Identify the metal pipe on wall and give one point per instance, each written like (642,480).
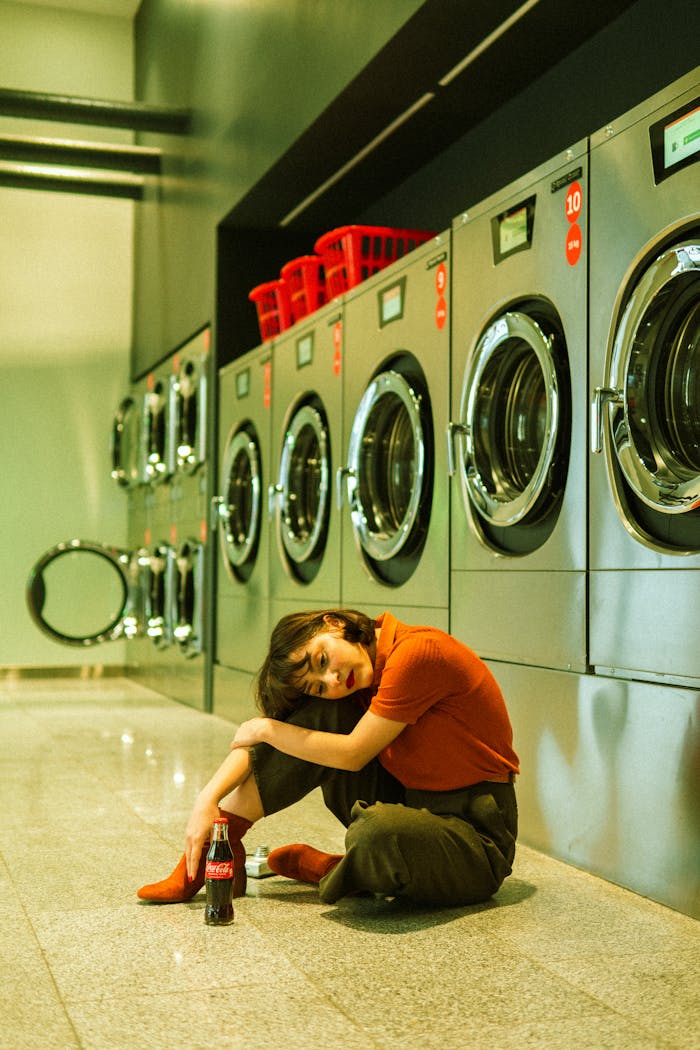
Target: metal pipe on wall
(17,176)
(71,109)
(26,150)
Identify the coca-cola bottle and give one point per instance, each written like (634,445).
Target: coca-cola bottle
(219,877)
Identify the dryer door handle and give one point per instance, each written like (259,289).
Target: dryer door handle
(342,474)
(217,512)
(603,395)
(453,429)
(272,493)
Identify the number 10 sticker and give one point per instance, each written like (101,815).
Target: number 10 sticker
(574,238)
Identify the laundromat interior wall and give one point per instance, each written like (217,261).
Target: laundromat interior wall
(65,324)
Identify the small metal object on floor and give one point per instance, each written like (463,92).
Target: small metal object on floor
(256,866)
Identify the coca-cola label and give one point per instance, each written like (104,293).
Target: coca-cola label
(219,869)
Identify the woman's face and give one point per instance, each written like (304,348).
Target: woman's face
(336,667)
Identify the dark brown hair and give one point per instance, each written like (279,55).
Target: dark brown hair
(276,688)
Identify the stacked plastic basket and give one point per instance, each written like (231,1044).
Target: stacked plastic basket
(344,258)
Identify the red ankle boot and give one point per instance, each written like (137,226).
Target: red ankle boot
(303,863)
(177,887)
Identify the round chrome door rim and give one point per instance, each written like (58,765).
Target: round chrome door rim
(242,444)
(512,325)
(384,546)
(663,488)
(124,625)
(301,549)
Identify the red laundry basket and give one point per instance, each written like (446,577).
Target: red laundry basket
(274,308)
(306,283)
(351,254)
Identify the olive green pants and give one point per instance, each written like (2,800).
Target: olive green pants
(445,848)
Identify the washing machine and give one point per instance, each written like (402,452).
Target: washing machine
(306,441)
(392,482)
(242,587)
(517,433)
(645,389)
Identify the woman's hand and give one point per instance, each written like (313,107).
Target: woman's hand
(254,731)
(198,832)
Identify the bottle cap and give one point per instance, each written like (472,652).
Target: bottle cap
(221,820)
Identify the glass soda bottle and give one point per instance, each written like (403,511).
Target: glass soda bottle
(219,877)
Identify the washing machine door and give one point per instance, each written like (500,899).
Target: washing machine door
(157,433)
(240,507)
(127,442)
(189,393)
(389,473)
(514,413)
(303,489)
(188,619)
(652,419)
(81,593)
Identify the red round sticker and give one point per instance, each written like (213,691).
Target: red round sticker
(573,202)
(441,279)
(441,313)
(574,243)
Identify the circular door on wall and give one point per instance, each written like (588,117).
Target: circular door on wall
(515,425)
(302,492)
(652,394)
(240,506)
(82,593)
(127,443)
(389,470)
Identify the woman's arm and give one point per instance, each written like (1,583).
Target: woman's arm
(232,772)
(337,750)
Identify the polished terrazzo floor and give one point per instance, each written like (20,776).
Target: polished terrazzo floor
(96,782)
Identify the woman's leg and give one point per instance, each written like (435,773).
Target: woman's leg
(440,859)
(281,780)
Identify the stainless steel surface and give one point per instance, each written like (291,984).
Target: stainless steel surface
(395,525)
(609,777)
(517,432)
(242,586)
(644,366)
(234,695)
(522,615)
(307,421)
(168,519)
